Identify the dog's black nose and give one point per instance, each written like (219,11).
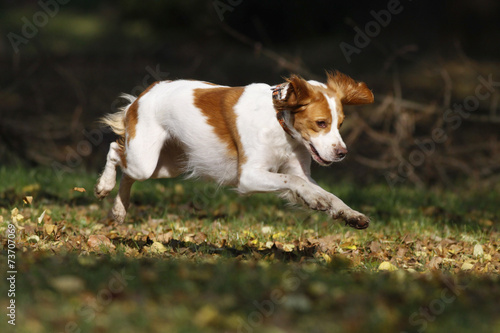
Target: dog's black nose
(340,152)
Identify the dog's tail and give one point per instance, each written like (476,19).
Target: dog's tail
(116,121)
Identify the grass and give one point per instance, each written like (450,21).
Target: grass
(195,258)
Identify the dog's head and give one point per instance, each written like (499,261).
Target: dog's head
(316,112)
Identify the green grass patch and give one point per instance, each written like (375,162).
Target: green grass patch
(193,257)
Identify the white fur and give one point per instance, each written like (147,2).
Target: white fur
(173,137)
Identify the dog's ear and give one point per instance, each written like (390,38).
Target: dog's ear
(350,92)
(298,94)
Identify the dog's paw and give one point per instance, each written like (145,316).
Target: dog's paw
(103,187)
(354,219)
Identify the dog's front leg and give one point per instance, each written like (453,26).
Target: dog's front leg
(303,191)
(337,209)
(300,190)
(257,180)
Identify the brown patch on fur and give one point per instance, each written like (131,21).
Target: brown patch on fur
(217,104)
(307,103)
(350,92)
(130,123)
(121,151)
(340,112)
(132,116)
(317,110)
(297,96)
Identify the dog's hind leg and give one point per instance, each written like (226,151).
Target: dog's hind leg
(122,200)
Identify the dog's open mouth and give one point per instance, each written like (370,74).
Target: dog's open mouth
(316,156)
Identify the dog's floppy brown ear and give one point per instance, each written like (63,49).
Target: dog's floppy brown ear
(350,91)
(298,93)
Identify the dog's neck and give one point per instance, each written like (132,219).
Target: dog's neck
(279,92)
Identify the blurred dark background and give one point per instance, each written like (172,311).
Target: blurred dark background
(63,64)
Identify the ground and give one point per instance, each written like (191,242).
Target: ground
(195,258)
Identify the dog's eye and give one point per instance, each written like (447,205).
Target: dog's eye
(321,124)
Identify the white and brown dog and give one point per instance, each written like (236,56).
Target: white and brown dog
(258,138)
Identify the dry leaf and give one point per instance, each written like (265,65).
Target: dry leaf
(266,229)
(28,199)
(165,238)
(33,239)
(50,229)
(375,247)
(158,248)
(467,266)
(288,247)
(40,219)
(68,284)
(478,250)
(200,238)
(327,258)
(79,189)
(97,242)
(387,266)
(434,263)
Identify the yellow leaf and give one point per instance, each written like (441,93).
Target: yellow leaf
(467,266)
(269,244)
(277,235)
(327,258)
(158,247)
(79,189)
(179,189)
(288,247)
(27,199)
(50,229)
(387,266)
(254,242)
(206,316)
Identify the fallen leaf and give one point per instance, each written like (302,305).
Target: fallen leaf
(375,247)
(28,199)
(68,284)
(49,229)
(79,189)
(206,316)
(179,189)
(467,266)
(387,266)
(40,219)
(478,250)
(165,238)
(327,258)
(33,239)
(266,229)
(200,238)
(434,263)
(158,248)
(288,247)
(98,242)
